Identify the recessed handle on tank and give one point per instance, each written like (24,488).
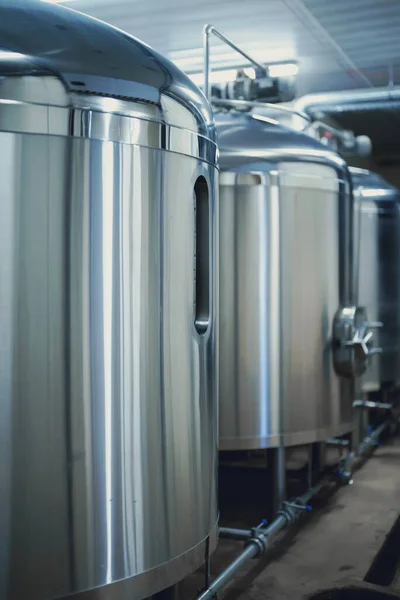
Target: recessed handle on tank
(202,267)
(351,341)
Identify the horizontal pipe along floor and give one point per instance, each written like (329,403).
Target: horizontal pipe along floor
(342,543)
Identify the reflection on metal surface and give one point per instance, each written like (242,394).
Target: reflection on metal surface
(108,392)
(285,268)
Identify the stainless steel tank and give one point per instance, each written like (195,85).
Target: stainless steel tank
(378,222)
(107,311)
(287,317)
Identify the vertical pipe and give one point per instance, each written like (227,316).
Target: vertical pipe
(207,31)
(206,48)
(260,541)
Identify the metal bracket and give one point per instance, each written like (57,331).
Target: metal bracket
(209,30)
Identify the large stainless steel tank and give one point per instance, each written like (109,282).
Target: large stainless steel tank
(286,267)
(107,312)
(378,222)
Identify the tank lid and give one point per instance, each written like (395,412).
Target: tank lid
(246,140)
(92,57)
(372,186)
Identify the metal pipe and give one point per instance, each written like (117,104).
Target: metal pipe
(207,31)
(260,540)
(371,441)
(253,104)
(206,49)
(311,102)
(353,462)
(235,534)
(240,534)
(223,578)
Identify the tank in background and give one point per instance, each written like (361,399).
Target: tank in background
(378,231)
(286,296)
(378,220)
(108,308)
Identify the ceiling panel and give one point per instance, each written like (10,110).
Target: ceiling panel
(367,31)
(339,45)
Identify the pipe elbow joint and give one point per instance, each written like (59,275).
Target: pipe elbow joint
(207,29)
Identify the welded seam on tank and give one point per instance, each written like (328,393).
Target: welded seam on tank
(105,126)
(264,350)
(108,220)
(68,368)
(131,547)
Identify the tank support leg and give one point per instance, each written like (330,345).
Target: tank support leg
(316,462)
(278,466)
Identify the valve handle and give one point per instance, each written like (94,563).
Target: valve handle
(361,340)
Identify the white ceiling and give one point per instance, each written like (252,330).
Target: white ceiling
(339,44)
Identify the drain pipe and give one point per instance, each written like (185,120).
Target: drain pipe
(354,461)
(259,539)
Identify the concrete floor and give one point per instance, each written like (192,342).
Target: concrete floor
(334,547)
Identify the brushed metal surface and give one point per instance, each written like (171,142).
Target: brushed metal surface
(108,413)
(281,282)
